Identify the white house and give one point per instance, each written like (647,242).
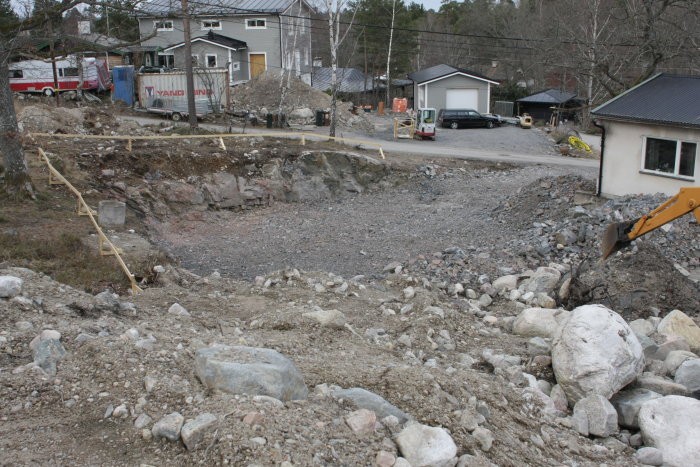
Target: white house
(651,137)
(448,87)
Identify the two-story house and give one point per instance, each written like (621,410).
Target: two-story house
(245,36)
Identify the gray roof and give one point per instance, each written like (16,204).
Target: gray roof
(438,71)
(665,99)
(222,7)
(550,96)
(351,80)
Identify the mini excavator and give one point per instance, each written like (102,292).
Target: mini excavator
(620,234)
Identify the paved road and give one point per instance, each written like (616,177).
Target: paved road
(429,148)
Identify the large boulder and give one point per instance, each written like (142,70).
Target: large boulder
(424,446)
(595,353)
(628,403)
(249,370)
(671,425)
(679,324)
(598,415)
(688,374)
(539,322)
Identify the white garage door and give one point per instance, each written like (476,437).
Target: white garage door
(462,99)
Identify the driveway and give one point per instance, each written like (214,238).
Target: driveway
(506,143)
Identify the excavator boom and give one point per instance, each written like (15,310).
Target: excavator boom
(620,234)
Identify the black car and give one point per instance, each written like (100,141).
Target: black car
(465,118)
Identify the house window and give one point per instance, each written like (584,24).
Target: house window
(195,60)
(255,23)
(211,24)
(163,25)
(668,156)
(236,66)
(166,60)
(211,60)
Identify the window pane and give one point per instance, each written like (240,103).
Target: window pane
(660,155)
(687,166)
(211,61)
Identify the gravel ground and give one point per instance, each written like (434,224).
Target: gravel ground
(359,234)
(506,138)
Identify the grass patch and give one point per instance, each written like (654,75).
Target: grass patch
(66,259)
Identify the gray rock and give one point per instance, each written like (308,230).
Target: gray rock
(545,280)
(539,322)
(168,427)
(671,343)
(688,374)
(47,351)
(600,414)
(106,301)
(142,421)
(471,419)
(195,431)
(650,456)
(505,283)
(364,399)
(538,346)
(249,370)
(661,385)
(675,358)
(424,446)
(484,437)
(642,327)
(649,347)
(327,318)
(177,309)
(628,403)
(595,353)
(10,286)
(671,425)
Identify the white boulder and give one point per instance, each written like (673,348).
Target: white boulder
(670,424)
(677,323)
(596,352)
(423,445)
(10,286)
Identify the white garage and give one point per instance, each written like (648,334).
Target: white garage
(448,87)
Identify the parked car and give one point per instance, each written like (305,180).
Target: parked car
(466,118)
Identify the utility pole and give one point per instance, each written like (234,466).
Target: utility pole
(189,75)
(52,52)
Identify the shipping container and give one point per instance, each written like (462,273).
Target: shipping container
(209,83)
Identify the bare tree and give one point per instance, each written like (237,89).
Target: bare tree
(335,9)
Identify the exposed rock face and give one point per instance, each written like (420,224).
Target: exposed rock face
(671,425)
(250,370)
(596,353)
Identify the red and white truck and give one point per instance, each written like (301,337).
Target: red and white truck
(37,75)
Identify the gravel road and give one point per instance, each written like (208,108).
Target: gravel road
(362,233)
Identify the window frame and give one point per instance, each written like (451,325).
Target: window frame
(14,73)
(211,28)
(164,21)
(216,60)
(676,165)
(264,26)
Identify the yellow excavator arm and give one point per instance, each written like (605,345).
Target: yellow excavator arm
(618,235)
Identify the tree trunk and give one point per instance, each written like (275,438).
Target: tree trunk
(189,74)
(17,182)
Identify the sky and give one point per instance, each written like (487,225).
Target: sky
(430,4)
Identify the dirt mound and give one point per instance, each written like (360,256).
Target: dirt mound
(263,91)
(42,118)
(263,95)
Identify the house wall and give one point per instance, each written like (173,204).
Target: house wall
(201,50)
(259,40)
(622,159)
(437,92)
